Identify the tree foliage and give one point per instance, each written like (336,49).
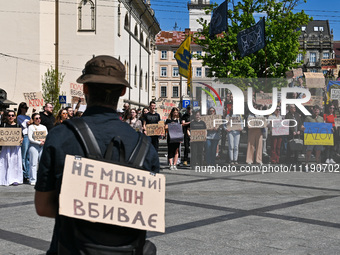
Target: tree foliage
(282,45)
(50,90)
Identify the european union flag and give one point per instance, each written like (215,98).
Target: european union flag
(183,57)
(218,22)
(252,39)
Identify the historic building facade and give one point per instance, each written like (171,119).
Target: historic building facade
(120,28)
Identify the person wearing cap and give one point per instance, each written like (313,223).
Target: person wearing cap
(318,148)
(104,82)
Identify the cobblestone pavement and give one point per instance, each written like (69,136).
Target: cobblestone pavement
(218,213)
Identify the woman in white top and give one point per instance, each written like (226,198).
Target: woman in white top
(36,135)
(10,157)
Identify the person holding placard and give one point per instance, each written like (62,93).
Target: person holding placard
(10,157)
(213,137)
(318,148)
(255,136)
(234,128)
(36,134)
(24,121)
(276,139)
(329,117)
(152,117)
(197,143)
(173,146)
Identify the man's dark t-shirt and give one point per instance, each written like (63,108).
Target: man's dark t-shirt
(105,125)
(47,120)
(152,118)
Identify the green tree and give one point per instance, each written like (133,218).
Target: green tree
(50,90)
(282,45)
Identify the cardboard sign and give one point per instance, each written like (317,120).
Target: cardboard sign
(314,100)
(335,94)
(337,122)
(314,80)
(318,133)
(234,123)
(264,98)
(97,191)
(155,129)
(257,122)
(278,129)
(198,135)
(10,136)
(39,135)
(164,108)
(76,90)
(34,99)
(209,120)
(297,72)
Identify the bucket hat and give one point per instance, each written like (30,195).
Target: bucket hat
(104,69)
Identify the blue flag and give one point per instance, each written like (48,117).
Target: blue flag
(218,22)
(252,39)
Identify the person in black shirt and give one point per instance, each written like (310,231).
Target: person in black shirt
(152,118)
(197,146)
(186,124)
(47,118)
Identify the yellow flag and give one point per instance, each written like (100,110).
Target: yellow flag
(183,57)
(189,79)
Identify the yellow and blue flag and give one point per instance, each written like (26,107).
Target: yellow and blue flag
(183,57)
(318,133)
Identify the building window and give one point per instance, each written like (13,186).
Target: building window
(141,79)
(199,53)
(146,82)
(164,54)
(136,31)
(207,71)
(312,58)
(163,71)
(175,91)
(325,55)
(316,29)
(198,71)
(321,29)
(303,28)
(141,37)
(163,91)
(86,16)
(126,22)
(147,43)
(175,72)
(173,55)
(299,58)
(136,76)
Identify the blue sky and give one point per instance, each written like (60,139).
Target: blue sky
(170,12)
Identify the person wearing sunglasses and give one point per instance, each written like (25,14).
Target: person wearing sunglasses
(36,134)
(10,157)
(329,118)
(61,116)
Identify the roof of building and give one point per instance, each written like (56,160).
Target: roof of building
(318,24)
(172,38)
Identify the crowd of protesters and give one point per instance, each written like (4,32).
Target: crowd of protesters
(19,164)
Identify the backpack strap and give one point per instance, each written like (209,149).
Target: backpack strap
(85,135)
(139,153)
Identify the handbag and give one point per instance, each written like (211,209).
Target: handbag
(296,144)
(175,132)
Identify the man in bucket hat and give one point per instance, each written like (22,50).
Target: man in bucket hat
(104,82)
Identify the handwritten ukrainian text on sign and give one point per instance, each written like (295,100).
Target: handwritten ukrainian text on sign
(318,133)
(335,94)
(337,122)
(264,98)
(76,90)
(164,108)
(279,127)
(234,123)
(112,194)
(34,99)
(314,80)
(257,122)
(198,135)
(209,121)
(10,136)
(39,135)
(155,129)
